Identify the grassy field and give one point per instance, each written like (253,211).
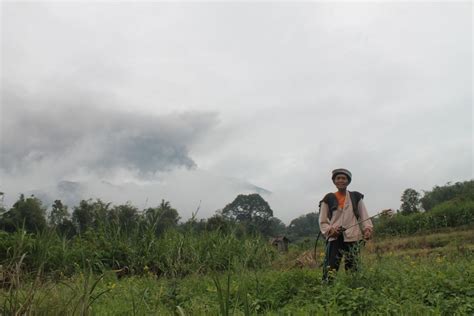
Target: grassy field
(420,275)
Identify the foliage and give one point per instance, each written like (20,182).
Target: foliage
(276,227)
(252,211)
(440,194)
(304,226)
(161,218)
(173,253)
(124,261)
(389,282)
(59,219)
(248,207)
(58,213)
(90,214)
(218,223)
(27,213)
(125,217)
(410,202)
(448,214)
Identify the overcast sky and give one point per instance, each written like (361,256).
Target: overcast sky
(193,101)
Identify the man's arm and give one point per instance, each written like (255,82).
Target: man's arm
(367,225)
(324,224)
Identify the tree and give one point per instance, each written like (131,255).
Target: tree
(304,226)
(252,211)
(58,213)
(410,202)
(27,213)
(276,227)
(248,207)
(439,194)
(2,207)
(124,216)
(59,219)
(218,222)
(162,217)
(90,215)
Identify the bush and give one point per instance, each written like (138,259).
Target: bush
(452,213)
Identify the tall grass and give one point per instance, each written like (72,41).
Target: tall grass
(32,263)
(174,253)
(391,281)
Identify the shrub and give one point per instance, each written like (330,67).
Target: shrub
(454,213)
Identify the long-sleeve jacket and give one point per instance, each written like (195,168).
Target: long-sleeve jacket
(345,217)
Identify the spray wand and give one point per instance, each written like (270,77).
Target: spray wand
(388,213)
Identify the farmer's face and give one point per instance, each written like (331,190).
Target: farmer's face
(341,181)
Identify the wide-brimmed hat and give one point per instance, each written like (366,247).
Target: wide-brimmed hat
(346,172)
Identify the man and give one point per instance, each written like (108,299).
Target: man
(339,215)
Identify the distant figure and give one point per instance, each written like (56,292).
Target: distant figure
(343,221)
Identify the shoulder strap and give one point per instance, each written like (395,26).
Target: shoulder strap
(355,199)
(331,200)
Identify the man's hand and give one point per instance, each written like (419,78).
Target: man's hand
(334,231)
(367,233)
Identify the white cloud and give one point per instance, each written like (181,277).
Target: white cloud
(384,89)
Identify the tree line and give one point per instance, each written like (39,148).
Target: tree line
(246,214)
(451,205)
(413,202)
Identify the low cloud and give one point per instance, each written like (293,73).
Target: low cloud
(82,135)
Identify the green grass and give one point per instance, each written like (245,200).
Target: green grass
(422,275)
(390,286)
